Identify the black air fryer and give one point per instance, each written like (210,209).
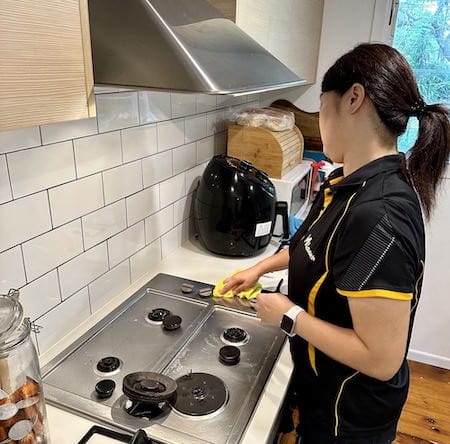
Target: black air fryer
(234,207)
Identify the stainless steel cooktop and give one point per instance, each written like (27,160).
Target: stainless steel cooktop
(216,351)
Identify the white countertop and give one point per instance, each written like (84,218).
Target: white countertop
(191,261)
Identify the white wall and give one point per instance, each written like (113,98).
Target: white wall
(345,24)
(431,335)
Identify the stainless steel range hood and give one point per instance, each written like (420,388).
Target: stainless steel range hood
(182,45)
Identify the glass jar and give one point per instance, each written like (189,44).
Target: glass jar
(22,408)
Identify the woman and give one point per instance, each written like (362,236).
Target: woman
(356,264)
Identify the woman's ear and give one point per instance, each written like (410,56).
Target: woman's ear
(355,96)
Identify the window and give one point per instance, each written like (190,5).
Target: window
(422,35)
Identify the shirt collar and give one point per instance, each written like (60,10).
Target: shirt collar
(337,181)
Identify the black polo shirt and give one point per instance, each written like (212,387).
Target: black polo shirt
(364,237)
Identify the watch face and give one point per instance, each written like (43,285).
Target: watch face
(286,324)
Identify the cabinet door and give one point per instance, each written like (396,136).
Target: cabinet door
(45,62)
(290,30)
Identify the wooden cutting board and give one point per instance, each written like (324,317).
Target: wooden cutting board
(274,152)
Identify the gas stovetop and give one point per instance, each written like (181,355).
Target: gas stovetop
(192,366)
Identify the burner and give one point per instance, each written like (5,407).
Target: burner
(229,355)
(158,314)
(235,335)
(108,365)
(145,410)
(148,387)
(200,394)
(172,322)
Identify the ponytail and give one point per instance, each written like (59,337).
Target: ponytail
(429,156)
(391,86)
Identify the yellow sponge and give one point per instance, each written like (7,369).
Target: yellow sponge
(249,293)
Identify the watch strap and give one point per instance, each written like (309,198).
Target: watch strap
(292,313)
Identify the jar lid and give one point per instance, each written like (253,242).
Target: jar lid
(11,314)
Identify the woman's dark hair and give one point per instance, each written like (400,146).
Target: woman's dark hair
(390,84)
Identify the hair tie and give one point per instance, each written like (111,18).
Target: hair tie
(418,108)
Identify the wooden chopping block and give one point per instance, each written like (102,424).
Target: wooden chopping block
(274,152)
(308,123)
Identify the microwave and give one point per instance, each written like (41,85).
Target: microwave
(295,189)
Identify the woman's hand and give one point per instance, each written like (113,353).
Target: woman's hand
(241,280)
(270,307)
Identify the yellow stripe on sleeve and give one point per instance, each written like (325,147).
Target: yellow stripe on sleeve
(376,293)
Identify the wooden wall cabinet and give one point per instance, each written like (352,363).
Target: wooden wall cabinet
(45,62)
(289,29)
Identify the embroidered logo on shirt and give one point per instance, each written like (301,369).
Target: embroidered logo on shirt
(307,243)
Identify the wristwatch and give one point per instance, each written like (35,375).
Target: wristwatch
(287,323)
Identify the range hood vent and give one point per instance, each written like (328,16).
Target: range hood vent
(179,45)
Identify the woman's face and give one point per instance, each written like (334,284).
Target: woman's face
(330,125)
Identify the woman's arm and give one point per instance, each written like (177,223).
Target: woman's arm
(375,345)
(246,278)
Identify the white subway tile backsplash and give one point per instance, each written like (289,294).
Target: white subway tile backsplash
(116,111)
(57,132)
(12,274)
(68,173)
(183,104)
(154,106)
(109,285)
(170,134)
(39,168)
(23,219)
(142,204)
(158,224)
(5,187)
(206,102)
(97,153)
(139,142)
(182,209)
(62,319)
(172,189)
(75,199)
(224,101)
(173,240)
(215,122)
(195,128)
(193,176)
(104,223)
(126,243)
(40,295)
(184,157)
(51,249)
(19,139)
(157,168)
(205,149)
(145,259)
(83,269)
(122,181)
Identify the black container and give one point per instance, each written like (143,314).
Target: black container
(234,207)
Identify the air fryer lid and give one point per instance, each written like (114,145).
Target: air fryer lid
(245,170)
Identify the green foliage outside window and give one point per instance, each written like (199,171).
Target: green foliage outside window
(422,35)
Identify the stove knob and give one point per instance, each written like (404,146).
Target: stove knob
(205,292)
(172,322)
(229,355)
(105,388)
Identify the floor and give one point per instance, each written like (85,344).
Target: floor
(426,415)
